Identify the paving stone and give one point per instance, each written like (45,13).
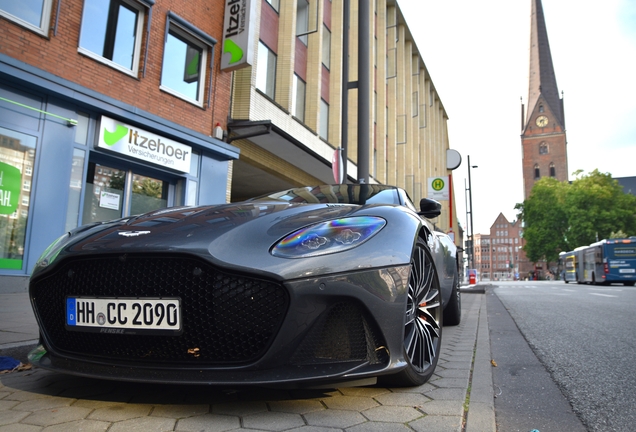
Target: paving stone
(24,396)
(444,408)
(419,389)
(312,429)
(397,414)
(7,404)
(4,394)
(20,428)
(354,403)
(296,406)
(435,423)
(179,411)
(144,424)
(11,417)
(208,423)
(334,418)
(239,408)
(364,391)
(79,425)
(452,382)
(378,427)
(403,399)
(43,404)
(120,412)
(453,373)
(95,404)
(273,421)
(56,416)
(448,394)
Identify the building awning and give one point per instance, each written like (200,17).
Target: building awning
(270,137)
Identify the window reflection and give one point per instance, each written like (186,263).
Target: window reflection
(17,156)
(110,29)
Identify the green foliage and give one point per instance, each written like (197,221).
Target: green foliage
(561,216)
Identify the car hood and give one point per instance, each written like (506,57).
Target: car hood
(240,236)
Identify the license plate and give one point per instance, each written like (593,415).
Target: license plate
(124,315)
(627,271)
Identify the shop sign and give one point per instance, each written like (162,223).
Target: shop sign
(238,34)
(10,180)
(139,144)
(438,188)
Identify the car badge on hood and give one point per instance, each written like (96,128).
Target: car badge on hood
(132,233)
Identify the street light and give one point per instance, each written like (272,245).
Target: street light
(471,249)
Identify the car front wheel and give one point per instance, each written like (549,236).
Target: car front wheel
(422,322)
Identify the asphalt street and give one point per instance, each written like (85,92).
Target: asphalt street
(583,336)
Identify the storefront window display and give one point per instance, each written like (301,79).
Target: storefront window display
(17,156)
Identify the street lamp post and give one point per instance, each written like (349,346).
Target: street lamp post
(471,236)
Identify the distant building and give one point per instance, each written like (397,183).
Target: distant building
(543,139)
(499,254)
(628,184)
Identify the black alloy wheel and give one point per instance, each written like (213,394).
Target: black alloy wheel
(423,321)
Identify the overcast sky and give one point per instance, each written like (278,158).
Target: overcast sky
(477,53)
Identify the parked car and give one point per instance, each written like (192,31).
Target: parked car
(309,286)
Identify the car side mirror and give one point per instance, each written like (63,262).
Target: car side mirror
(429,208)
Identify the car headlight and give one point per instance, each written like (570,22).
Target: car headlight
(51,252)
(328,237)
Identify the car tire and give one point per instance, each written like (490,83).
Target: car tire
(423,322)
(453,311)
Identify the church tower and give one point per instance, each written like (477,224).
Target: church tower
(543,140)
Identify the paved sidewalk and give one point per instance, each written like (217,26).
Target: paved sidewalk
(459,397)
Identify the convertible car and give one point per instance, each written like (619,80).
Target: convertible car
(314,286)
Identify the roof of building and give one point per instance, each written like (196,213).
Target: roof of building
(542,77)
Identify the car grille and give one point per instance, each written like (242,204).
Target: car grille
(344,333)
(226,318)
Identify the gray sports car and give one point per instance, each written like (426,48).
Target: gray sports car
(313,286)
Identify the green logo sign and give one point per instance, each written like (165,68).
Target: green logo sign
(10,180)
(111,138)
(235,51)
(438,184)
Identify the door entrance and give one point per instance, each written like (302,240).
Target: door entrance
(112,193)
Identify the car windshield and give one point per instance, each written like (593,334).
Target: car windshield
(338,194)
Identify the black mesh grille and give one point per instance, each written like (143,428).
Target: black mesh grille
(229,318)
(344,333)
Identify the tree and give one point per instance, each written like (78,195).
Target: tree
(561,216)
(597,206)
(545,219)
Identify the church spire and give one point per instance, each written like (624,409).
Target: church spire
(542,79)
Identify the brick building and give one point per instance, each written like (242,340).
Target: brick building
(112,103)
(543,138)
(498,255)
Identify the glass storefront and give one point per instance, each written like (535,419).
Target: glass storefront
(111,193)
(17,156)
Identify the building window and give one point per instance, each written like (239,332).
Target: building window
(540,108)
(274,4)
(266,70)
(26,185)
(537,172)
(185,57)
(302,20)
(326,47)
(33,14)
(111,32)
(298,98)
(324,120)
(552,170)
(543,148)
